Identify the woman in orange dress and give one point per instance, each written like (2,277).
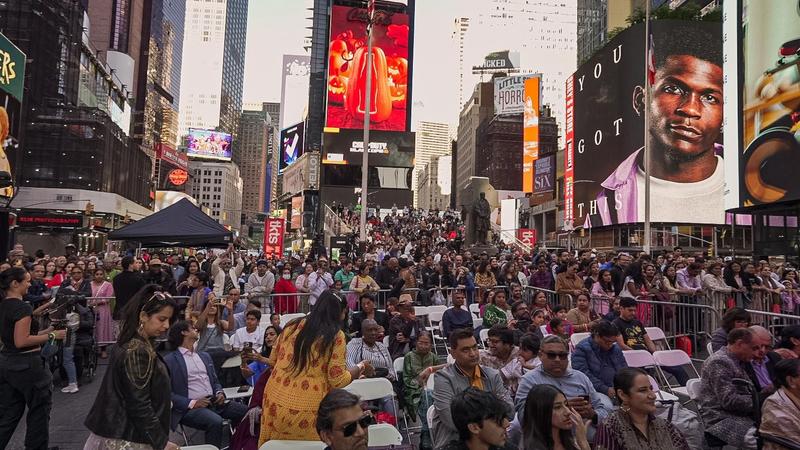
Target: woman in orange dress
(307,362)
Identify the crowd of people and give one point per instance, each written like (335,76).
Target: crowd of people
(502,369)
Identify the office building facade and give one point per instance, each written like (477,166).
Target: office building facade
(432,140)
(218,186)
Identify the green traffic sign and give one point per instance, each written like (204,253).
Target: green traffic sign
(12,68)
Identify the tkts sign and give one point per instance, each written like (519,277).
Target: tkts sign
(273,237)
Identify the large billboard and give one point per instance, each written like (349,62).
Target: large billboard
(172,167)
(386,148)
(291,145)
(274,229)
(604,167)
(509,94)
(12,85)
(530,132)
(347,60)
(762,152)
(294,89)
(209,144)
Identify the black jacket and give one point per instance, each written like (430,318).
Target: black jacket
(126,285)
(386,277)
(133,403)
(355,321)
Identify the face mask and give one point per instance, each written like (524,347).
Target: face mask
(287,276)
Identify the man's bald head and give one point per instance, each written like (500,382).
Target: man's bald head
(763,338)
(761,332)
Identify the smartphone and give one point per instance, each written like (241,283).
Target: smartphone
(243,388)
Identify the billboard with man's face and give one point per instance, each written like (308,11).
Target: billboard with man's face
(762,150)
(604,160)
(347,61)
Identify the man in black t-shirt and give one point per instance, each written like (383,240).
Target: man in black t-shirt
(126,284)
(633,336)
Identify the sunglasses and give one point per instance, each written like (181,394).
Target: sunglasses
(364,422)
(553,356)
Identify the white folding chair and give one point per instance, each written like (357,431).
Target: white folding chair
(386,341)
(383,435)
(437,308)
(657,335)
(373,389)
(709,349)
(476,322)
(577,338)
(693,388)
(475,309)
(286,318)
(484,335)
(200,447)
(420,311)
(398,366)
(450,359)
(638,358)
(661,395)
(429,417)
(435,326)
(673,358)
(293,445)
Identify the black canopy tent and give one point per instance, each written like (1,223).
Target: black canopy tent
(180,225)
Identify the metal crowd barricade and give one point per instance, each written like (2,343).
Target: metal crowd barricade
(553,298)
(287,303)
(602,305)
(774,322)
(683,316)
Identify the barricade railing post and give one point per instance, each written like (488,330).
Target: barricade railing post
(551,296)
(774,322)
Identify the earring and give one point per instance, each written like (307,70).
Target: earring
(625,408)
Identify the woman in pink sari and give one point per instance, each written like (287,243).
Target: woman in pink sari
(103,292)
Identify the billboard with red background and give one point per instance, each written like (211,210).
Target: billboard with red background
(273,237)
(347,60)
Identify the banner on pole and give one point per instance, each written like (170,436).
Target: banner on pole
(273,237)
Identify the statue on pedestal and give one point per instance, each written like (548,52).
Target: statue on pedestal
(481,211)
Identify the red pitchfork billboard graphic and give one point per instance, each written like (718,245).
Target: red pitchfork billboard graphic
(273,237)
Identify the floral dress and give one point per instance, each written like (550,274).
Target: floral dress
(291,400)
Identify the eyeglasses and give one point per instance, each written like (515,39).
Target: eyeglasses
(364,422)
(554,356)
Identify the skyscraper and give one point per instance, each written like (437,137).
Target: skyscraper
(212,74)
(592,27)
(432,140)
(254,131)
(217,186)
(460,27)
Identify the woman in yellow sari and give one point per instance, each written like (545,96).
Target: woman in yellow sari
(307,362)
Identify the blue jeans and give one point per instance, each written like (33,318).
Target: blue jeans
(69,364)
(210,419)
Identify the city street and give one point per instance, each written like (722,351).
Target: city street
(66,418)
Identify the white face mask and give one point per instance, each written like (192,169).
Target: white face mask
(287,276)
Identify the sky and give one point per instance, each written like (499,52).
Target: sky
(278,27)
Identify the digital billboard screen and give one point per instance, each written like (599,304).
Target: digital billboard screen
(209,144)
(605,99)
(347,60)
(762,152)
(386,148)
(291,145)
(530,131)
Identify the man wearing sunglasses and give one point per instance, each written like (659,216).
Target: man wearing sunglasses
(555,371)
(341,423)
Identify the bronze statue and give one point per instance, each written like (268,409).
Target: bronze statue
(481,212)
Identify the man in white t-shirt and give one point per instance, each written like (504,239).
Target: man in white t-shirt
(251,332)
(685,122)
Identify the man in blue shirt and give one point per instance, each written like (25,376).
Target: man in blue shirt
(599,358)
(456,317)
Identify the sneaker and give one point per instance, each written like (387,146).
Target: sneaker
(70,388)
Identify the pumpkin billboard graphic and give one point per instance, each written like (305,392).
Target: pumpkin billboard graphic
(347,64)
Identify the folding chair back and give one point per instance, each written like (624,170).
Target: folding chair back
(638,358)
(484,335)
(577,338)
(398,365)
(383,435)
(475,309)
(657,335)
(371,388)
(286,318)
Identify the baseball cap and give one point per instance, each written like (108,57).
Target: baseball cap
(155,262)
(261,262)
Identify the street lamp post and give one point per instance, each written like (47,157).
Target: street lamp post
(367,107)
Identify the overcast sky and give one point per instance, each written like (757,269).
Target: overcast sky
(278,27)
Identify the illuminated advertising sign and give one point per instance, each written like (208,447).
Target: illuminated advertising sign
(49,220)
(166,153)
(544,175)
(294,89)
(604,160)
(527,236)
(386,148)
(509,94)
(273,237)
(762,99)
(530,133)
(291,145)
(209,144)
(297,213)
(498,61)
(12,68)
(347,60)
(12,85)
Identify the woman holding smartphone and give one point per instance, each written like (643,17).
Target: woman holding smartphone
(24,381)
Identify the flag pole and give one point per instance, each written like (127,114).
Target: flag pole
(367,107)
(647,60)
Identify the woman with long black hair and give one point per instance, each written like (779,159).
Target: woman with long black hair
(132,408)
(549,420)
(24,381)
(307,362)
